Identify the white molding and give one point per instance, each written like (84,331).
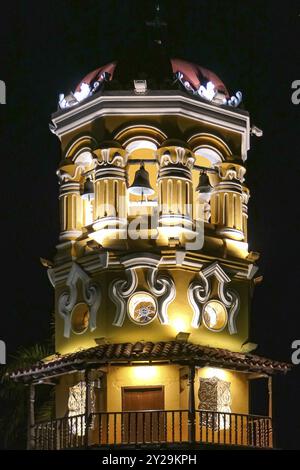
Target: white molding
(140,260)
(77,142)
(160,285)
(199,292)
(68,298)
(92,109)
(119,291)
(163,287)
(138,144)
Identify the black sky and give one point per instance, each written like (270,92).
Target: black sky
(253,45)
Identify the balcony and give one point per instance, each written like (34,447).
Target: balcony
(150,429)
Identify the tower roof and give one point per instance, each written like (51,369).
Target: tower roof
(157,72)
(194,74)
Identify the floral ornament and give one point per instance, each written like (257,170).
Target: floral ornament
(209,92)
(85,91)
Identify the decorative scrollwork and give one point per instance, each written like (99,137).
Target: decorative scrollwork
(209,92)
(163,287)
(65,176)
(232,301)
(68,298)
(119,291)
(92,296)
(112,158)
(198,293)
(181,156)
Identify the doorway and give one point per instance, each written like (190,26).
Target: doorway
(143,415)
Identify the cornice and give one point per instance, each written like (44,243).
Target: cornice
(154,103)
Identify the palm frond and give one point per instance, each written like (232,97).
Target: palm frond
(14,396)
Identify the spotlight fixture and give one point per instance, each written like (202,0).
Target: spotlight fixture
(140,86)
(182,336)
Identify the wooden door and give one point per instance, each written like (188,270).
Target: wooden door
(143,418)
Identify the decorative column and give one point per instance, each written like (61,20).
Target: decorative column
(227,201)
(245,199)
(31,418)
(71,213)
(87,412)
(110,205)
(191,404)
(270,412)
(175,189)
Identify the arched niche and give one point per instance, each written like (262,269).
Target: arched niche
(211,147)
(133,136)
(84,157)
(82,144)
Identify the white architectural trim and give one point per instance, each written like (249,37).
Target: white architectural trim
(68,299)
(119,291)
(199,292)
(153,104)
(163,287)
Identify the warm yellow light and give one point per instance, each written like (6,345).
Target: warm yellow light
(209,372)
(144,372)
(179,324)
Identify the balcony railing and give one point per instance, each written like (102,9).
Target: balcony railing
(160,427)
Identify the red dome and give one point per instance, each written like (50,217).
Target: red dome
(164,74)
(197,75)
(192,73)
(95,75)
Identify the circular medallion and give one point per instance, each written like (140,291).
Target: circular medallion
(142,308)
(214,315)
(80,318)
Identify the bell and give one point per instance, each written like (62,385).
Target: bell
(88,192)
(204,184)
(141,184)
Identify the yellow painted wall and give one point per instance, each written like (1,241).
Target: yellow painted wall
(127,376)
(215,248)
(168,376)
(180,316)
(239,387)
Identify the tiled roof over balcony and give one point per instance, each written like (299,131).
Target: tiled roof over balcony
(169,351)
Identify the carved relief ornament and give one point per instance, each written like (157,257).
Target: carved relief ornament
(200,290)
(161,286)
(178,156)
(69,297)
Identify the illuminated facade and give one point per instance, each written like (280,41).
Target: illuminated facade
(153,275)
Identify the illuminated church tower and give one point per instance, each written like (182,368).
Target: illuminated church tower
(152,275)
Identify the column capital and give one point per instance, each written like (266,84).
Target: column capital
(111,156)
(245,194)
(175,156)
(229,171)
(69,171)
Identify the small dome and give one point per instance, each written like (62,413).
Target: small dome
(163,74)
(197,75)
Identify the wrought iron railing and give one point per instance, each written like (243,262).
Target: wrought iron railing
(154,427)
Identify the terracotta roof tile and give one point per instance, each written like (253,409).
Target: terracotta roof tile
(164,350)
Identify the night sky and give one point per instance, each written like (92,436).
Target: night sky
(48,47)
